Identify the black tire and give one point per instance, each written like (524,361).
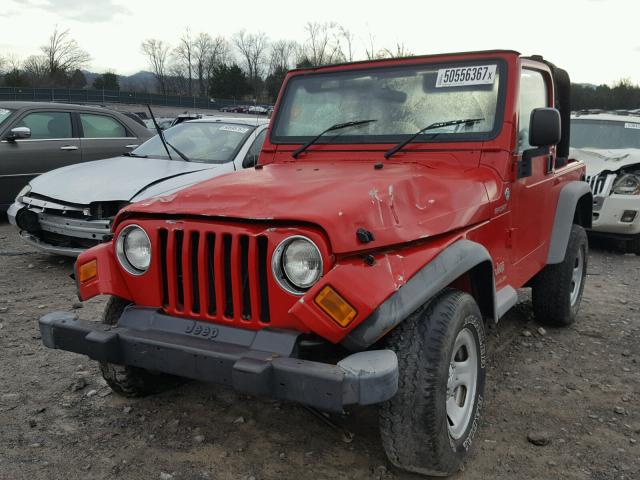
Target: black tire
(552,288)
(633,245)
(414,424)
(132,381)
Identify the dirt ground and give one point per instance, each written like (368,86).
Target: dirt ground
(579,388)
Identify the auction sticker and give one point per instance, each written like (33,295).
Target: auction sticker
(632,125)
(464,76)
(234,128)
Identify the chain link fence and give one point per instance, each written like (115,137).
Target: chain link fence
(102,97)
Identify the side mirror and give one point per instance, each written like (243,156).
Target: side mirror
(544,127)
(19,133)
(544,131)
(250,160)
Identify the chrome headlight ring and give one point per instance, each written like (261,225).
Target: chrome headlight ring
(294,285)
(135,263)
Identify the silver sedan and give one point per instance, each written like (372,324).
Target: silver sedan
(70,209)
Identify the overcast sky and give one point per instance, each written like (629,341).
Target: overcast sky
(597,41)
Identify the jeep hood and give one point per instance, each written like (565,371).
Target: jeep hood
(116,179)
(599,160)
(399,203)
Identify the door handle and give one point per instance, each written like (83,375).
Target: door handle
(69,147)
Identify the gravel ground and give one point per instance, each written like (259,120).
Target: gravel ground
(576,390)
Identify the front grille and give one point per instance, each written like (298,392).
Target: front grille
(214,275)
(597,183)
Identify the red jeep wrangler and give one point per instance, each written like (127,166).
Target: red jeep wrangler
(396,208)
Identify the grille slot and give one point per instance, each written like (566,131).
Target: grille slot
(211,288)
(228,283)
(214,275)
(263,245)
(178,270)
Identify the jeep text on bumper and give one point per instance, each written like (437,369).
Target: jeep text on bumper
(259,363)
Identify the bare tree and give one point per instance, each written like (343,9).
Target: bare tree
(36,69)
(183,56)
(345,40)
(252,48)
(399,51)
(322,46)
(283,54)
(220,54)
(157,52)
(3,64)
(63,53)
(370,50)
(202,48)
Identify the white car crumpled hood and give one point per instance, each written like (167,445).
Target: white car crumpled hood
(599,160)
(120,179)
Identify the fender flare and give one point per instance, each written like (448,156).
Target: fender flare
(571,195)
(456,260)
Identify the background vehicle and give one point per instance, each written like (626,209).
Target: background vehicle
(609,145)
(36,137)
(396,208)
(163,123)
(70,209)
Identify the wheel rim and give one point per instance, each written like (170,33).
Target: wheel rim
(462,383)
(576,276)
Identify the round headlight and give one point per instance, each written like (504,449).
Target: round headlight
(297,264)
(133,249)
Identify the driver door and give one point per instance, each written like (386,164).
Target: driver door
(531,194)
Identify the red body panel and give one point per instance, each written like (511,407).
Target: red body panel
(422,200)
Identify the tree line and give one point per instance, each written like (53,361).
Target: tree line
(246,65)
(624,95)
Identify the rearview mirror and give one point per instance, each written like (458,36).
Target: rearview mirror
(544,127)
(19,133)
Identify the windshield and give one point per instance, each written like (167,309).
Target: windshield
(206,142)
(4,114)
(605,134)
(403,100)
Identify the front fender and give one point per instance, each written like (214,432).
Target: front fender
(387,292)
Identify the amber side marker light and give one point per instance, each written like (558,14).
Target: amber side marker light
(335,306)
(88,270)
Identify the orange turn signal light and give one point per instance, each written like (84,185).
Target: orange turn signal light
(332,303)
(88,271)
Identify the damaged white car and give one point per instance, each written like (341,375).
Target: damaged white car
(609,145)
(70,209)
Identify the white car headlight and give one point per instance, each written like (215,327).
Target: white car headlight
(297,264)
(25,191)
(627,184)
(133,249)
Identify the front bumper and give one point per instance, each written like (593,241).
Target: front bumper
(608,211)
(66,231)
(261,363)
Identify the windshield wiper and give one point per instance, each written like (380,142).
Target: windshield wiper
(337,126)
(433,126)
(182,155)
(131,154)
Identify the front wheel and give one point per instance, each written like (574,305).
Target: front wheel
(132,381)
(429,425)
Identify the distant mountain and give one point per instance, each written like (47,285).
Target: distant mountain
(141,81)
